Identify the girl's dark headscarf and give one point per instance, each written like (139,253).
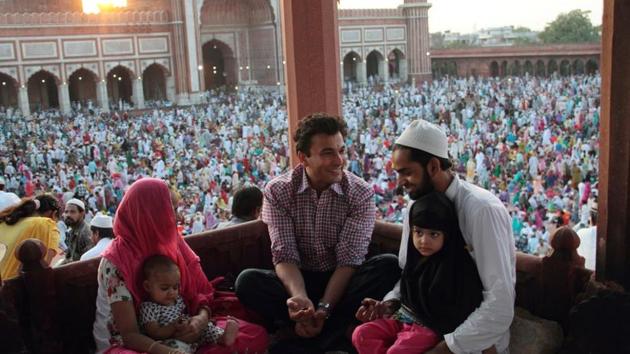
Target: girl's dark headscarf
(443,289)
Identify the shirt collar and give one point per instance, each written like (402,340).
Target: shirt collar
(452,188)
(304,185)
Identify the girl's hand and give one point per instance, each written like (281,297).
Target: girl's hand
(373,309)
(368,310)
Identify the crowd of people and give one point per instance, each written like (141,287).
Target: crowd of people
(532,141)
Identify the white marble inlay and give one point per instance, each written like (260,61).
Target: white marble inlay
(117,46)
(79,48)
(38,50)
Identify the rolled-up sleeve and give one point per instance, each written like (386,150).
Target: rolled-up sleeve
(494,255)
(356,233)
(280,226)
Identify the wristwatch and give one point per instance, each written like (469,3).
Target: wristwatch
(324,306)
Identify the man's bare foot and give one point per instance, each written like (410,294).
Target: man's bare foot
(230,333)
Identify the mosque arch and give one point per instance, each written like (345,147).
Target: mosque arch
(452,69)
(374,61)
(540,68)
(56,78)
(494,69)
(515,68)
(578,67)
(435,69)
(592,67)
(154,82)
(351,66)
(82,86)
(42,90)
(528,68)
(443,69)
(552,67)
(394,61)
(565,67)
(119,86)
(503,71)
(219,64)
(8,91)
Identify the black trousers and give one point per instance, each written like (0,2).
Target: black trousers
(262,291)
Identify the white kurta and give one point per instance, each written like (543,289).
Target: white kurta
(486,226)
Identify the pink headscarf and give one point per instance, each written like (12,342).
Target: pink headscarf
(145,226)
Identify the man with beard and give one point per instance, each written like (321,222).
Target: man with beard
(78,235)
(421,159)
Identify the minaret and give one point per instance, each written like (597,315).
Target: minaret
(416,13)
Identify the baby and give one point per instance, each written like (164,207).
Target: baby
(165,312)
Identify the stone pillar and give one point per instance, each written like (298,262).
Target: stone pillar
(416,14)
(361,73)
(341,78)
(384,70)
(170,88)
(239,71)
(186,76)
(278,53)
(613,226)
(23,101)
(138,94)
(403,72)
(64,98)
(310,30)
(101,96)
(192,45)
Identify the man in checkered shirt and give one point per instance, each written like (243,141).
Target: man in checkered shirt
(320,219)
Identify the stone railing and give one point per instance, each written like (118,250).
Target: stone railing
(519,51)
(52,310)
(348,14)
(79,18)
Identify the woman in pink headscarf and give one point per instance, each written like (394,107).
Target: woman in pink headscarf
(145,226)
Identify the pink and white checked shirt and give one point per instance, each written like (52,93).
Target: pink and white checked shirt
(319,234)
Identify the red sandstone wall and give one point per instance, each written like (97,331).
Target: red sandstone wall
(363,17)
(8,6)
(559,49)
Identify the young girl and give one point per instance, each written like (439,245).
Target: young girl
(440,285)
(165,312)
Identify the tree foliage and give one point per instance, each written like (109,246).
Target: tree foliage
(571,27)
(521,29)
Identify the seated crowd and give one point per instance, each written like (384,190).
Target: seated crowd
(532,141)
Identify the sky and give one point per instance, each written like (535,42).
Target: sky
(467,16)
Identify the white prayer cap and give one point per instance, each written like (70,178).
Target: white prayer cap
(103,221)
(76,202)
(422,135)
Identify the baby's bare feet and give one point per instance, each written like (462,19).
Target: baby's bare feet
(230,333)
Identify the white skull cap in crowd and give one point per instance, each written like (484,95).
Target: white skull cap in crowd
(76,202)
(103,221)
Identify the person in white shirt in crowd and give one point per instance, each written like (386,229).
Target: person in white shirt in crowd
(102,228)
(588,240)
(198,223)
(421,159)
(7,199)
